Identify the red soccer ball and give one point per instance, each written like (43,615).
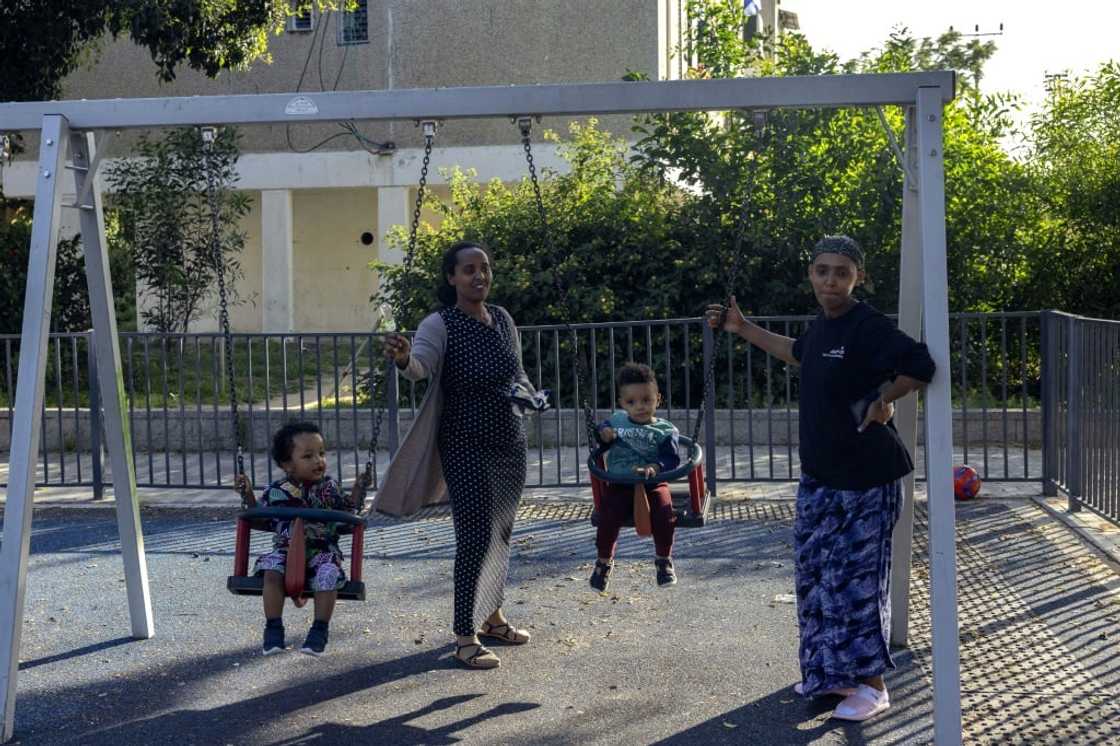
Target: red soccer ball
(966,482)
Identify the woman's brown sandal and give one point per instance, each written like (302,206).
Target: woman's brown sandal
(482,657)
(505,632)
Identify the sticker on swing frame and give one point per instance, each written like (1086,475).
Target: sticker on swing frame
(301,106)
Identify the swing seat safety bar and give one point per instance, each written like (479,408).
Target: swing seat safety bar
(260,519)
(691,507)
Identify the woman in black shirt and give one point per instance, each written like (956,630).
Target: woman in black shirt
(855,363)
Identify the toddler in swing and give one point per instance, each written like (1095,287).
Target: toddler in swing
(642,444)
(299,450)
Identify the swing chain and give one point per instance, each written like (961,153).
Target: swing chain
(525,125)
(209,136)
(429,128)
(760,121)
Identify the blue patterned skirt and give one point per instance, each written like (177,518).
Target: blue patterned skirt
(842,558)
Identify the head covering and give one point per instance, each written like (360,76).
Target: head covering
(839,244)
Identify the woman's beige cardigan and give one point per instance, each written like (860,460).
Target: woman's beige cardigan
(414,478)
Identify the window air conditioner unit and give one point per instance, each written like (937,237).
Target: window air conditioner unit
(302,22)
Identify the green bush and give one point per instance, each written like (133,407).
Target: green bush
(162,200)
(70,305)
(1074,251)
(652,233)
(614,235)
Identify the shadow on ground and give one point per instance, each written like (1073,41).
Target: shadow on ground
(240,720)
(711,661)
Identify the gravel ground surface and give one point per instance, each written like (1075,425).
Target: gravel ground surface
(709,661)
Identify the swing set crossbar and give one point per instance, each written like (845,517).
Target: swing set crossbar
(487,102)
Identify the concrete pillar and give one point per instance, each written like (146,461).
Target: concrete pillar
(666,22)
(394,207)
(277,285)
(769,15)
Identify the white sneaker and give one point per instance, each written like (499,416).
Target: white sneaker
(864,703)
(799,688)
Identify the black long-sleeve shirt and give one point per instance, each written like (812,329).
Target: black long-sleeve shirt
(844,360)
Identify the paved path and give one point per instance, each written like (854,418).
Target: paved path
(710,661)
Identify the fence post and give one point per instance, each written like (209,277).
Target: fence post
(1048,346)
(392,404)
(94,420)
(1073,422)
(709,410)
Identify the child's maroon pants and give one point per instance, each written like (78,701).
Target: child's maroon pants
(617,505)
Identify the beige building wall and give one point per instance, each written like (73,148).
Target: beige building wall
(246,315)
(335,192)
(422,44)
(332,281)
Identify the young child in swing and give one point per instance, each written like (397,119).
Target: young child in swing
(646,445)
(298,448)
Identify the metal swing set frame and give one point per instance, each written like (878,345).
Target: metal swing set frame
(74,135)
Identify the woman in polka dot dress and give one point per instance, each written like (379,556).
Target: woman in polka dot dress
(471,351)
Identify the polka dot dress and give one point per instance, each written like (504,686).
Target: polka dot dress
(482,449)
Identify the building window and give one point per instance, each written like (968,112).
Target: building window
(304,21)
(353,26)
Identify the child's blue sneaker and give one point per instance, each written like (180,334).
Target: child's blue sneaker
(601,577)
(273,638)
(666,575)
(316,642)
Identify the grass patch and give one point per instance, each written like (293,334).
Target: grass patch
(190,371)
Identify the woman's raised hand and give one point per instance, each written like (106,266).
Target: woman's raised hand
(243,487)
(733,321)
(361,487)
(397,349)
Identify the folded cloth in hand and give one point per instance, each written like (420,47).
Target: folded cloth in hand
(534,401)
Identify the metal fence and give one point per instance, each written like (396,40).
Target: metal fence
(1082,412)
(182,431)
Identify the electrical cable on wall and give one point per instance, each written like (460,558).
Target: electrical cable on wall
(350,128)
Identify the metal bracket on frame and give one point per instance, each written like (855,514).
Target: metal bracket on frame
(759,117)
(900,157)
(89,169)
(428,127)
(525,123)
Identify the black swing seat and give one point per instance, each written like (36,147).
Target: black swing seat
(690,506)
(253,585)
(241,583)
